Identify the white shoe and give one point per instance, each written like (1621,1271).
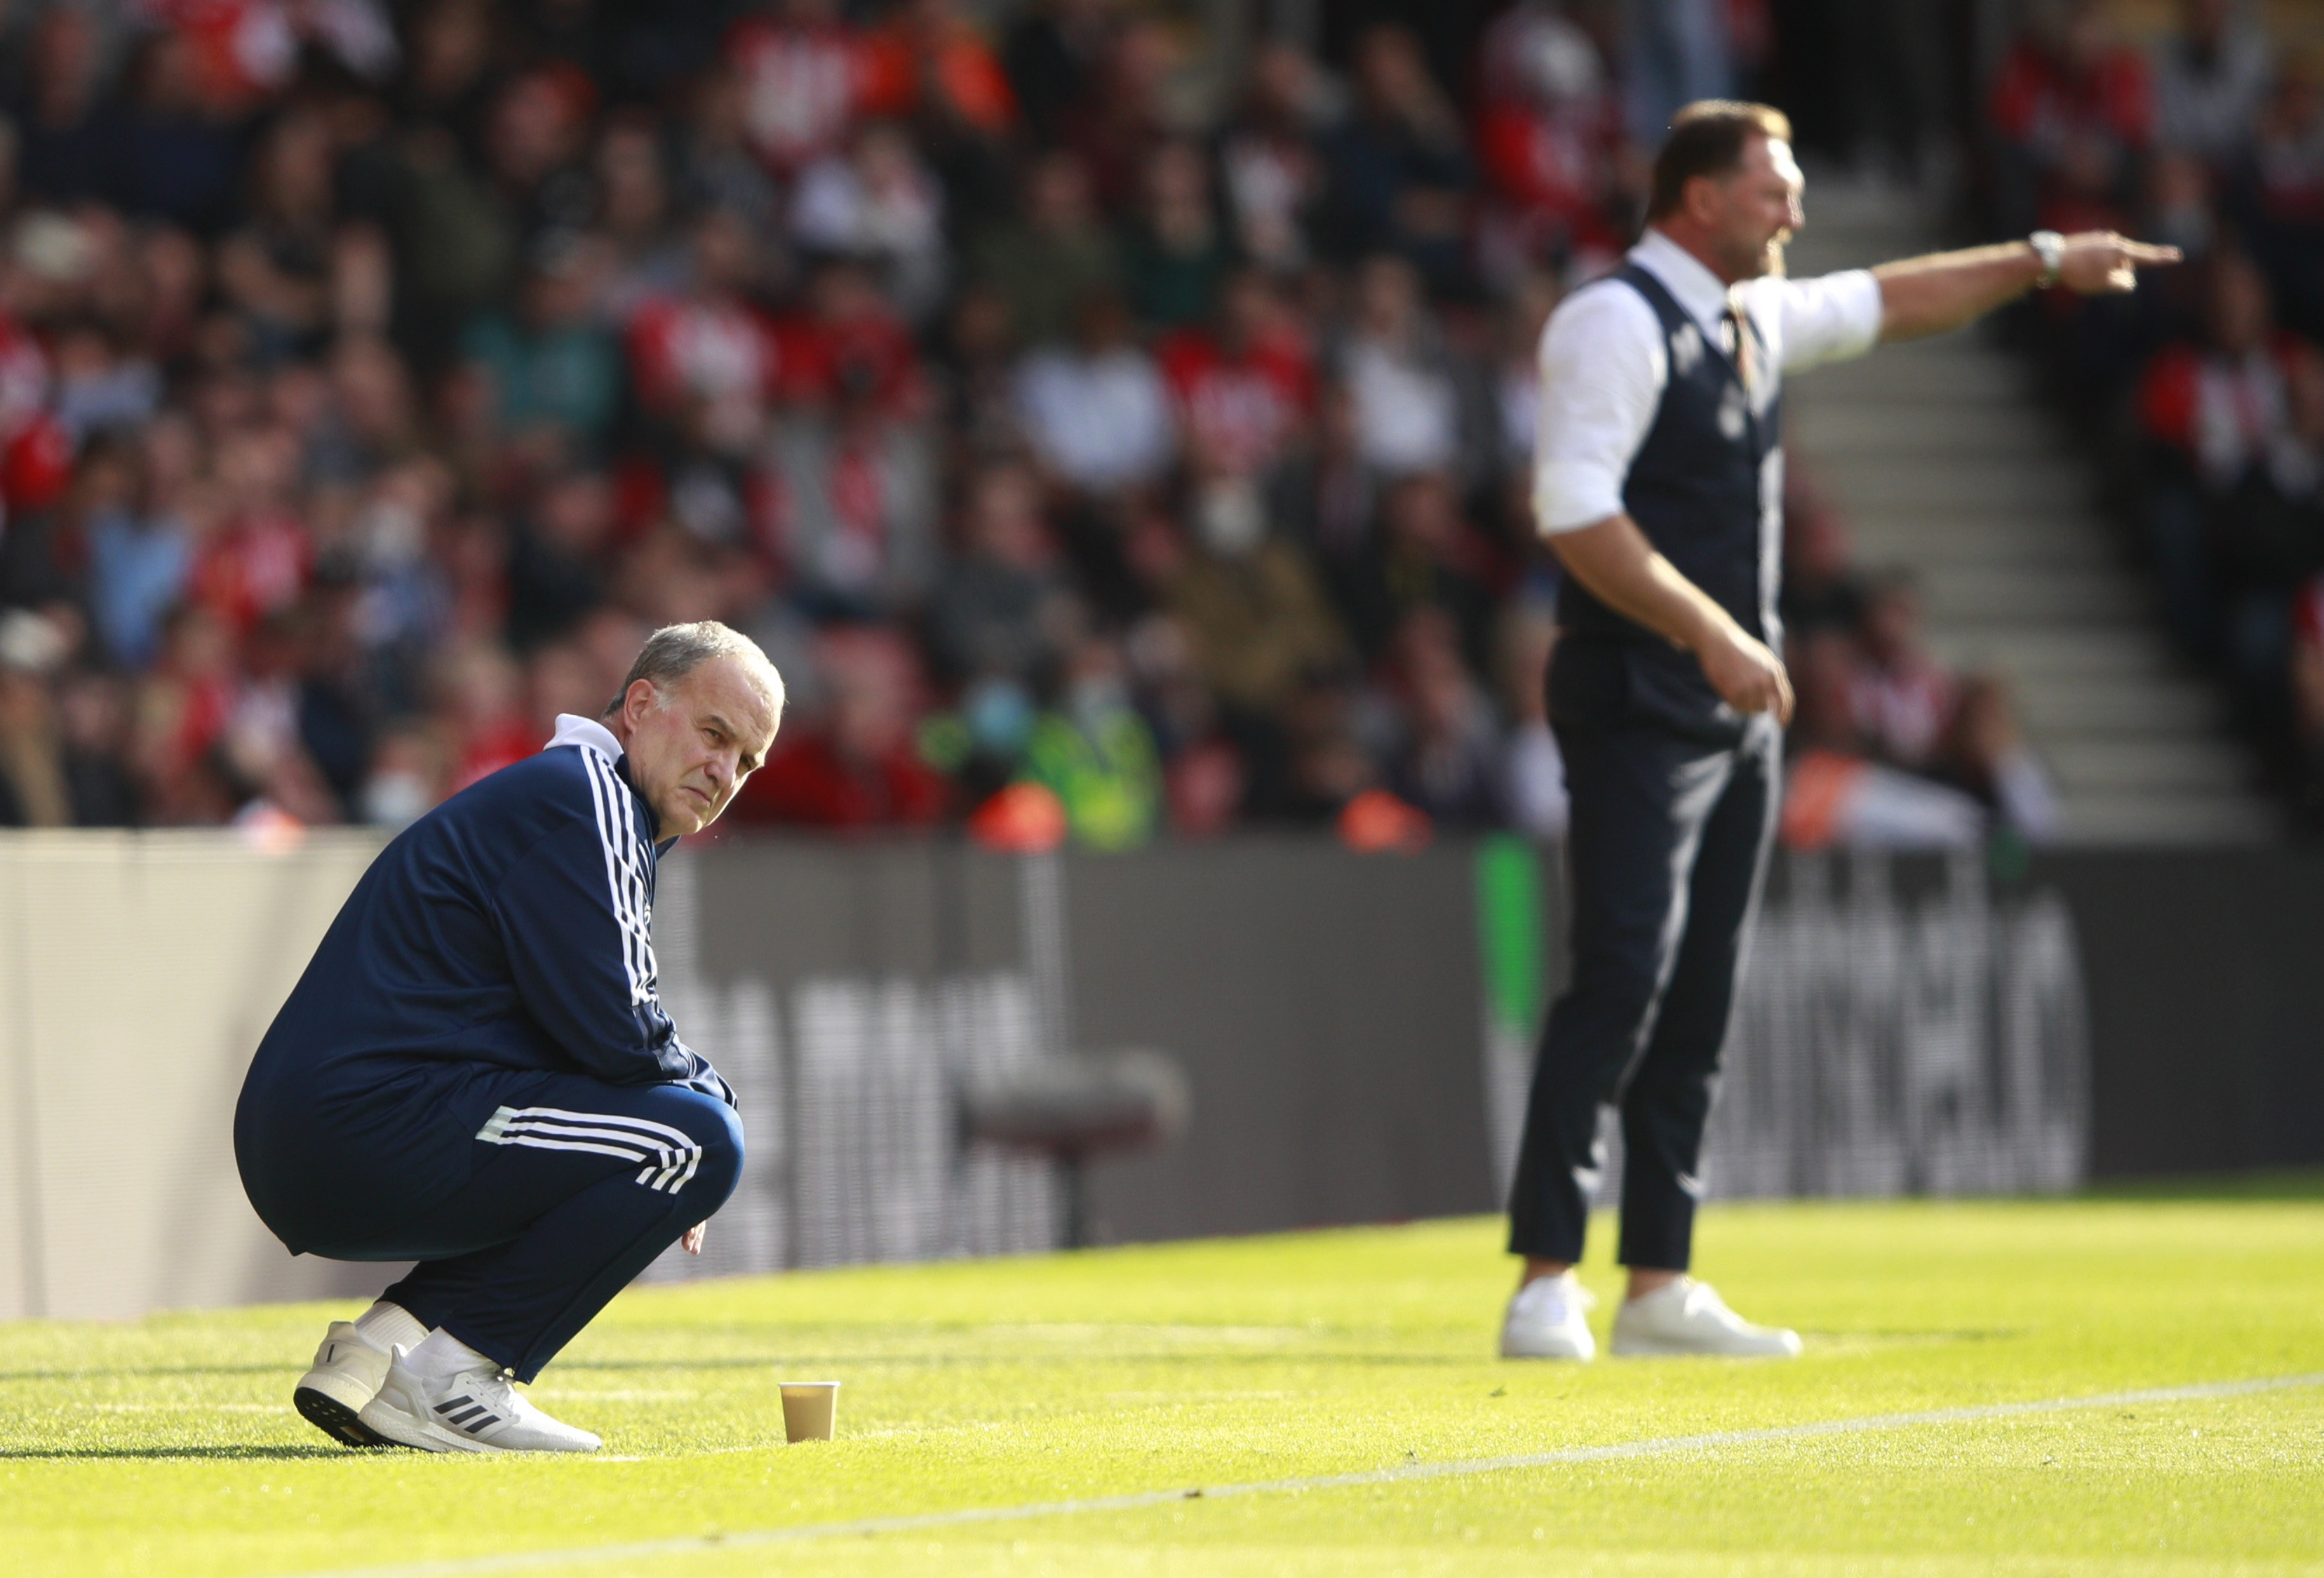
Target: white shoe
(1546,1320)
(1687,1316)
(478,1410)
(349,1369)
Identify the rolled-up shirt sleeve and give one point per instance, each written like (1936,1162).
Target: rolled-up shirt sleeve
(1603,366)
(1828,318)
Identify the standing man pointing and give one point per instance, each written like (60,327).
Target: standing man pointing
(1659,484)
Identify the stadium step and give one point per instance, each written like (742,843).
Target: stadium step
(2087,705)
(2152,816)
(1923,378)
(2039,655)
(1987,593)
(1973,434)
(2041,485)
(2099,765)
(1943,462)
(1945,536)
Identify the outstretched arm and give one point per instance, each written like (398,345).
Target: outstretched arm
(1945,289)
(1624,571)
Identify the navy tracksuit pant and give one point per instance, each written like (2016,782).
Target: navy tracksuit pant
(575,1186)
(1668,839)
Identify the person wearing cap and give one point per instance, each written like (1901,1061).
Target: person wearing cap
(1658,482)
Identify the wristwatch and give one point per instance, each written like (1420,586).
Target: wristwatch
(2051,248)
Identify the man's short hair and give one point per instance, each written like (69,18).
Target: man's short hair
(1708,138)
(675,650)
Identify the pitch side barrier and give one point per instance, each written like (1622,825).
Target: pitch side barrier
(1355,1032)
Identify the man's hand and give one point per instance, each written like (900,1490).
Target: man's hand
(1748,676)
(2098,263)
(694,1236)
(1614,559)
(1945,289)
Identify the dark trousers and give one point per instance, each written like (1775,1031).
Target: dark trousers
(577,1187)
(1667,842)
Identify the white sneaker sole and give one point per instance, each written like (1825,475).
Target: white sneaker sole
(401,1428)
(332,1398)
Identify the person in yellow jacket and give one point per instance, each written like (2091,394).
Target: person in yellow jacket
(1096,754)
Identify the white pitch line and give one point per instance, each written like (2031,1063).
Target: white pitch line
(1662,1446)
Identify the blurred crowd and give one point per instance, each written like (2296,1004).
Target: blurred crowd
(1054,411)
(373,377)
(2207,386)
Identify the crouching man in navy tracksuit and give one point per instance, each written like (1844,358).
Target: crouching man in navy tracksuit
(475,1071)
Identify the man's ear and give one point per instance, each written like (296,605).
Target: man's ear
(638,698)
(1701,200)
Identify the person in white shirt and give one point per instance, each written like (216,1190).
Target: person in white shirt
(1097,412)
(1658,482)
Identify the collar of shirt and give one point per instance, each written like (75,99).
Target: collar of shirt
(575,730)
(591,734)
(1696,288)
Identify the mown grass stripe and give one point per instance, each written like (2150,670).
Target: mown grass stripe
(1661,1446)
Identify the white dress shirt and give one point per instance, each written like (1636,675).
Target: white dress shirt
(1604,364)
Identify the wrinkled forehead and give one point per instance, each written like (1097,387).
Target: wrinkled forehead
(734,690)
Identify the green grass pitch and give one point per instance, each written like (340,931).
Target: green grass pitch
(167,1445)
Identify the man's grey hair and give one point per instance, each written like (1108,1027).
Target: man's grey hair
(675,650)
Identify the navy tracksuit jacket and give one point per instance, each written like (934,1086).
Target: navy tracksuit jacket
(479,1038)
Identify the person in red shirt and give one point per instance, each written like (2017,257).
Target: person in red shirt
(804,72)
(1245,387)
(1548,138)
(2074,109)
(710,351)
(258,563)
(857,767)
(2286,221)
(930,61)
(482,709)
(182,707)
(36,452)
(2234,446)
(850,341)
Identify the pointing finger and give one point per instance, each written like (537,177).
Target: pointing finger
(2140,251)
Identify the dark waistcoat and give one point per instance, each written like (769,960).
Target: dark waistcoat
(1695,490)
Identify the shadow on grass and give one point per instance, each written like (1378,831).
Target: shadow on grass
(1043,1357)
(243,1453)
(98,1371)
(2274,1184)
(795,1357)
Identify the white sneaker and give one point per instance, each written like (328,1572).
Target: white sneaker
(1546,1320)
(1687,1316)
(478,1410)
(349,1369)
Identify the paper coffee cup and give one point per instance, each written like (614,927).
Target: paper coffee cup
(810,1409)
